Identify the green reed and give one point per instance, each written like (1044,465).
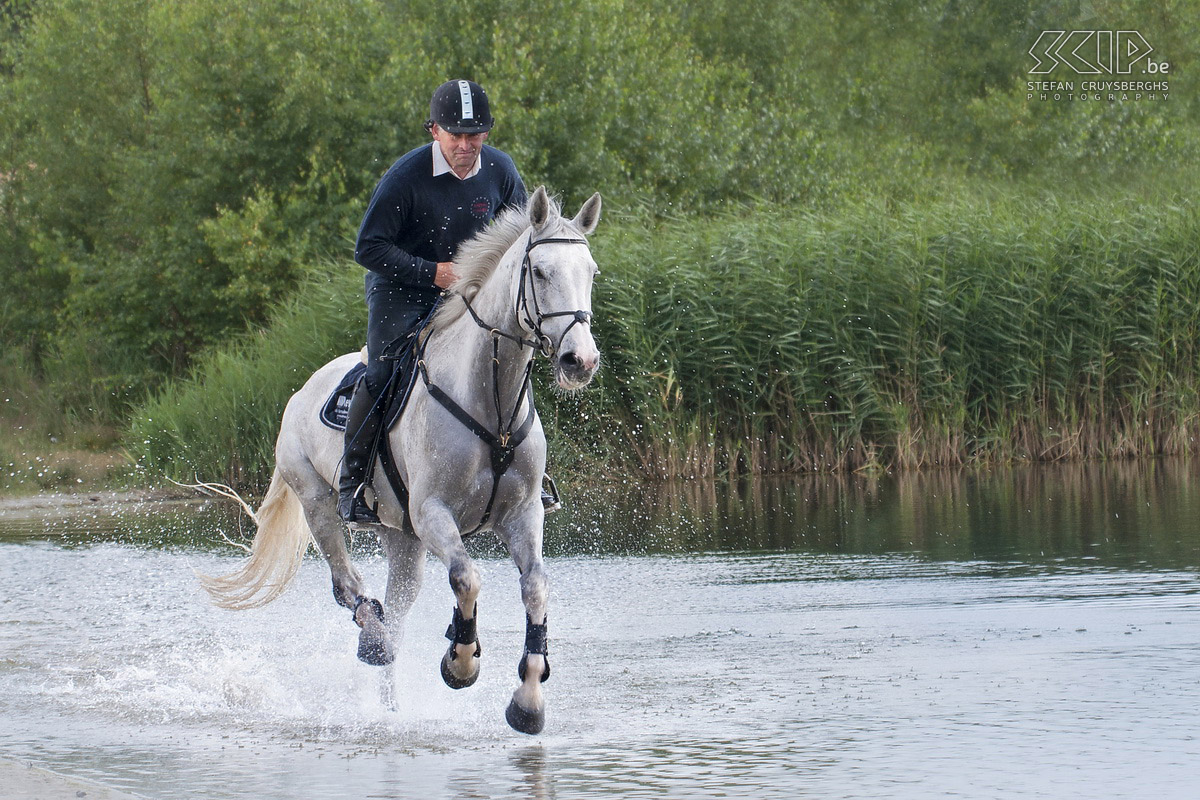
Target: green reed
(935,334)
(970,330)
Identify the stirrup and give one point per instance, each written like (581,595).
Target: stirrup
(551,502)
(354,509)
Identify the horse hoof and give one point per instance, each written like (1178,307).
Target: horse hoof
(452,680)
(375,649)
(530,722)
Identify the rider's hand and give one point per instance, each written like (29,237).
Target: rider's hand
(445,275)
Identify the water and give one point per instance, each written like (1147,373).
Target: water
(1028,633)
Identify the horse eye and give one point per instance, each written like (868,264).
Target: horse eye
(539,274)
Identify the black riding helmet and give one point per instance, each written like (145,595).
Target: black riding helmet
(460,107)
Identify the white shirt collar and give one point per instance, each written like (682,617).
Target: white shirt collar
(441,166)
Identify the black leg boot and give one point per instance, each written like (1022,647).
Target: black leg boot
(362,425)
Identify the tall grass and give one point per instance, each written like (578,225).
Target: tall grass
(969,330)
(919,335)
(43,445)
(221,422)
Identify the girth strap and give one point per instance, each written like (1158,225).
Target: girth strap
(502,448)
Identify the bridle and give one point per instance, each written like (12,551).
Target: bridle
(533,318)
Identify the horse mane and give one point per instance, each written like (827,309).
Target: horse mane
(478,257)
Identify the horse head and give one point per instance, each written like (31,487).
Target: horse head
(555,301)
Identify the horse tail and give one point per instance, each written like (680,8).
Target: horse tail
(275,555)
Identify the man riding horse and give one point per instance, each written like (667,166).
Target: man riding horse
(428,203)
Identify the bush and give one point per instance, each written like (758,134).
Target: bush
(220,423)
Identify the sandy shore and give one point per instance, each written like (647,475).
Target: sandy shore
(22,781)
(49,503)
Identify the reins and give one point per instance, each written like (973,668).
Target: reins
(503,445)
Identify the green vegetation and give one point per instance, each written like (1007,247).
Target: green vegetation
(177,176)
(904,336)
(911,335)
(221,424)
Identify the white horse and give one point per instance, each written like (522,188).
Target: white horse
(469,449)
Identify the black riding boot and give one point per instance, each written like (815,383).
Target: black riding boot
(362,425)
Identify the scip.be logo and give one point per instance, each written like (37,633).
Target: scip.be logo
(1093,52)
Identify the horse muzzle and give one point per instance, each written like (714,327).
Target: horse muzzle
(573,369)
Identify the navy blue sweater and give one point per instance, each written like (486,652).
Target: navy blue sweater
(415,220)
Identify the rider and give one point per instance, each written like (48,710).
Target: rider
(430,201)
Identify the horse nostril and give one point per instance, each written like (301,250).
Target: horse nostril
(571,362)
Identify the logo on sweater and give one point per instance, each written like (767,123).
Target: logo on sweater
(481,208)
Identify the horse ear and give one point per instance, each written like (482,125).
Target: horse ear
(589,216)
(539,208)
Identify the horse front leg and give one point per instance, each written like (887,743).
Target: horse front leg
(460,664)
(526,711)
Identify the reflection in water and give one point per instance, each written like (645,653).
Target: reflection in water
(1122,512)
(530,763)
(1119,513)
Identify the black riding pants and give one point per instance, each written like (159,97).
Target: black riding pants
(392,314)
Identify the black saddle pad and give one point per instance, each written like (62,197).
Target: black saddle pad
(337,408)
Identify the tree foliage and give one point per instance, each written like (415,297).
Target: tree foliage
(168,168)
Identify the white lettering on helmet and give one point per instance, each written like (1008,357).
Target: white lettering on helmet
(468,110)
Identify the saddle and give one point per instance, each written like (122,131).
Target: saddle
(336,409)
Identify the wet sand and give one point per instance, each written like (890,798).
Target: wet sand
(23,781)
(51,504)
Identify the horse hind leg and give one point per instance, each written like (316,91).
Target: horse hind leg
(406,572)
(349,590)
(374,644)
